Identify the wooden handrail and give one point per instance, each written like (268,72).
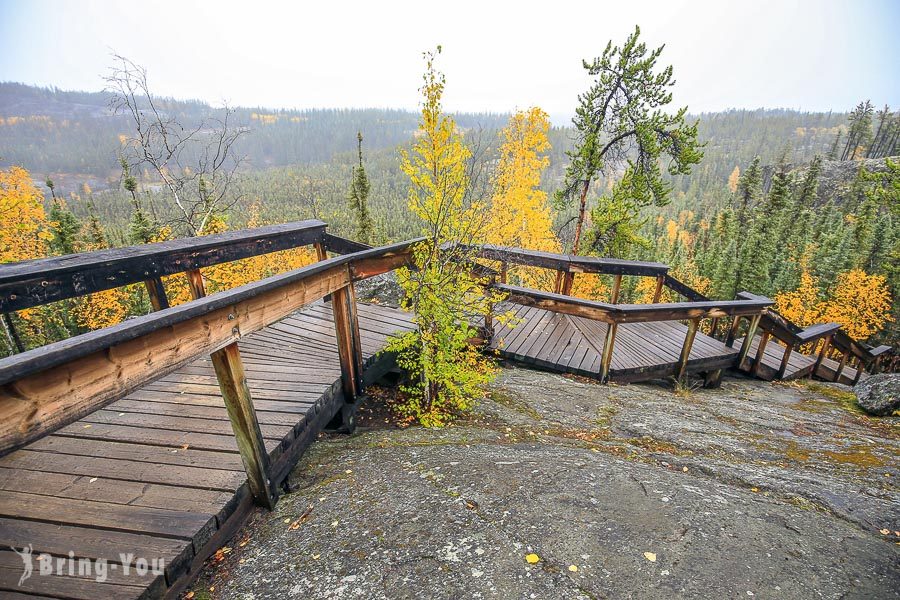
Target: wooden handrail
(631,313)
(48,387)
(35,282)
(569,263)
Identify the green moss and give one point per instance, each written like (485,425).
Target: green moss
(503,398)
(605,415)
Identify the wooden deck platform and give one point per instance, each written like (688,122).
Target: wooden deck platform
(573,344)
(158,474)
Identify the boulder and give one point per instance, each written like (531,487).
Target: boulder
(879,394)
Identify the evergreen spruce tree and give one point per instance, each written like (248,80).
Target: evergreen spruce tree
(359,194)
(758,252)
(64,225)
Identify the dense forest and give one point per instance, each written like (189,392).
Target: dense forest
(796,205)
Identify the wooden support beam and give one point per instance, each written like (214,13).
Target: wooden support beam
(713,325)
(557,285)
(14,338)
(748,339)
(859,371)
(195,283)
(686,348)
(782,369)
(657,293)
(712,379)
(157,292)
(503,271)
(346,326)
(760,352)
(233,383)
(616,289)
(321,252)
(606,358)
(733,331)
(822,353)
(567,283)
(841,365)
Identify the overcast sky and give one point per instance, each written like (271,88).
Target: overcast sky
(498,56)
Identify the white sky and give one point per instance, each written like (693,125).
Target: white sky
(498,56)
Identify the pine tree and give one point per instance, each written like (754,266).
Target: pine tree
(833,153)
(758,252)
(749,189)
(860,133)
(622,111)
(359,194)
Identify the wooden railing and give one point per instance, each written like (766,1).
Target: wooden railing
(852,353)
(697,307)
(48,387)
(616,314)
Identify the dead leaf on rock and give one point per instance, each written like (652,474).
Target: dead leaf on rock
(651,556)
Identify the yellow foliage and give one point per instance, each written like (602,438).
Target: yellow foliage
(803,305)
(24,228)
(686,273)
(102,309)
(860,302)
(733,179)
(520,215)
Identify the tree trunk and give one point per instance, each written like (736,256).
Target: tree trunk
(580,222)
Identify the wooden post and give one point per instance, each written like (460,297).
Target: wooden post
(567,282)
(12,333)
(617,287)
(657,294)
(859,371)
(713,325)
(841,365)
(557,285)
(195,283)
(346,326)
(784,361)
(322,254)
(606,358)
(712,379)
(732,332)
(760,352)
(157,292)
(503,269)
(233,383)
(745,347)
(825,343)
(686,348)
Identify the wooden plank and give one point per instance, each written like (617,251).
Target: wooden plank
(608,344)
(35,282)
(117,584)
(247,433)
(157,293)
(95,544)
(103,515)
(686,348)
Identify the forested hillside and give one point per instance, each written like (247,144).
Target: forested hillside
(800,206)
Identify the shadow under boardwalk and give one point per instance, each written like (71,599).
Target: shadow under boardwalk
(571,344)
(157,474)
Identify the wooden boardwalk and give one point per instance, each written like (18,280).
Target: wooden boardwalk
(574,344)
(157,474)
(799,365)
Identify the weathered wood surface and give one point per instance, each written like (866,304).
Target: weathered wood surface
(34,282)
(47,387)
(574,344)
(798,365)
(158,473)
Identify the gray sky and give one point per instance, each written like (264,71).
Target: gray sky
(498,56)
